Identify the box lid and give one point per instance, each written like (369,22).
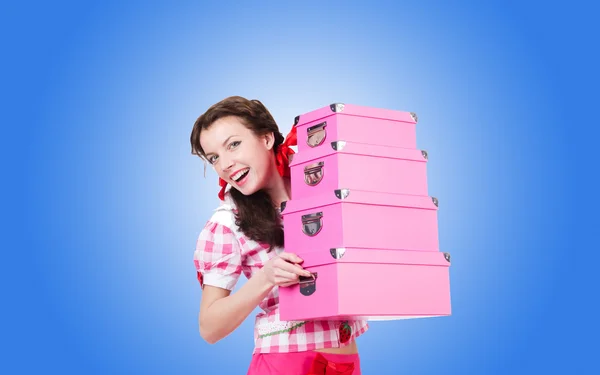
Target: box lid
(343,147)
(362,255)
(355,110)
(349,196)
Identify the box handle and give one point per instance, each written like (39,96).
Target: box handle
(308,284)
(313,173)
(316,134)
(312,224)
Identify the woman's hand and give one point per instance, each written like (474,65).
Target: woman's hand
(284,269)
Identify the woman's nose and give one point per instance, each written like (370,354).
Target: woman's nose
(226,164)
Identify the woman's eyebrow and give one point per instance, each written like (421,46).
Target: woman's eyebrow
(224,143)
(227,140)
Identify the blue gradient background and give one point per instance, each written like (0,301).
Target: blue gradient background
(103,200)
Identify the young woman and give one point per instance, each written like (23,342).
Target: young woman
(241,140)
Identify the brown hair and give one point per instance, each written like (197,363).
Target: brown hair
(256,216)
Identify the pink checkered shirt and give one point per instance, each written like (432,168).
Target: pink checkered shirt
(223,253)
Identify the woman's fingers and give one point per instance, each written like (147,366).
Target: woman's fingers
(295,259)
(292,268)
(296,280)
(286,270)
(282,275)
(290,257)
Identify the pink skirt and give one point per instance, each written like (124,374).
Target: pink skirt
(304,363)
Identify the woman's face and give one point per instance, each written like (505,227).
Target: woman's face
(239,157)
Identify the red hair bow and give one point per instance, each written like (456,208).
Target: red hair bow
(282,159)
(322,366)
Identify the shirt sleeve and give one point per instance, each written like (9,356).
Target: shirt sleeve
(217,258)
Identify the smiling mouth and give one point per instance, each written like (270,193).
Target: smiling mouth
(239,176)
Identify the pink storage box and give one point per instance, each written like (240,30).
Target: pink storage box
(359,166)
(355,123)
(361,219)
(354,283)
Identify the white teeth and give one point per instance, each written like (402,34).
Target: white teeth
(239,174)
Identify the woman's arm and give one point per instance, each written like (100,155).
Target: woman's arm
(221,312)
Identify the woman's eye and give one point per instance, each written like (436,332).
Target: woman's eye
(234,144)
(212,159)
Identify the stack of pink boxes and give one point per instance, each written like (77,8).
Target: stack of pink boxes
(361,218)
